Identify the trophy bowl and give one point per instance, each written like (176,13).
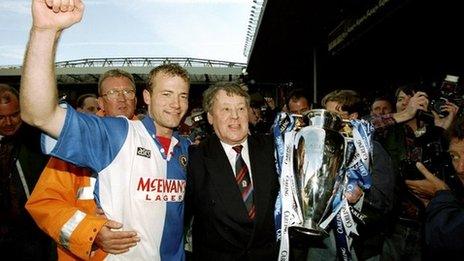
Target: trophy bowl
(318,156)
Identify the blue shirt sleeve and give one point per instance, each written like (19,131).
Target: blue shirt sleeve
(47,143)
(90,141)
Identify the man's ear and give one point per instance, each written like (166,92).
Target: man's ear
(146,97)
(101,103)
(210,118)
(353,116)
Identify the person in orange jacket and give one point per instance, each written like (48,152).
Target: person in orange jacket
(62,203)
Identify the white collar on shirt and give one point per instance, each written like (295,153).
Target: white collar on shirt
(231,154)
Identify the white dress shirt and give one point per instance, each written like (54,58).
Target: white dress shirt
(232,156)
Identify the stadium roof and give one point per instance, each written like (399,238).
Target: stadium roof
(87,71)
(357,44)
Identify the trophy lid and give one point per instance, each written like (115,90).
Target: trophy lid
(323,119)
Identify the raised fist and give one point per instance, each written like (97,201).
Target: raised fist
(56,14)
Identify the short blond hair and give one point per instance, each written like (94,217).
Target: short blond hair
(170,69)
(114,73)
(349,100)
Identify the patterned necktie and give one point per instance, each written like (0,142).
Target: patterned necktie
(242,177)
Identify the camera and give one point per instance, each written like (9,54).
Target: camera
(434,157)
(431,160)
(449,91)
(425,116)
(201,128)
(198,118)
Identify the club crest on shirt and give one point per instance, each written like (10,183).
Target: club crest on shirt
(183,161)
(143,152)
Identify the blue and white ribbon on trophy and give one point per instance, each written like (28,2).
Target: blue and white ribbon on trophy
(356,173)
(286,211)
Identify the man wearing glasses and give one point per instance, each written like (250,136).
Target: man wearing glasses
(141,165)
(65,191)
(117,94)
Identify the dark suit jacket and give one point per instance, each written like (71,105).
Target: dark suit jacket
(221,228)
(19,235)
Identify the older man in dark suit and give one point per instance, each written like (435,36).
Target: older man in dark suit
(20,165)
(232,184)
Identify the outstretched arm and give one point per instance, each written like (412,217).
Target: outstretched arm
(38,95)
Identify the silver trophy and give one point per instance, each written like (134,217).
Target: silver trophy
(318,156)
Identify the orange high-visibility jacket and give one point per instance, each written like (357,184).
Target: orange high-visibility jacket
(63,206)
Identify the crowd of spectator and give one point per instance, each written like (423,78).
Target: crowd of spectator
(123,186)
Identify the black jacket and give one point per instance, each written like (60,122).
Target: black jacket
(221,228)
